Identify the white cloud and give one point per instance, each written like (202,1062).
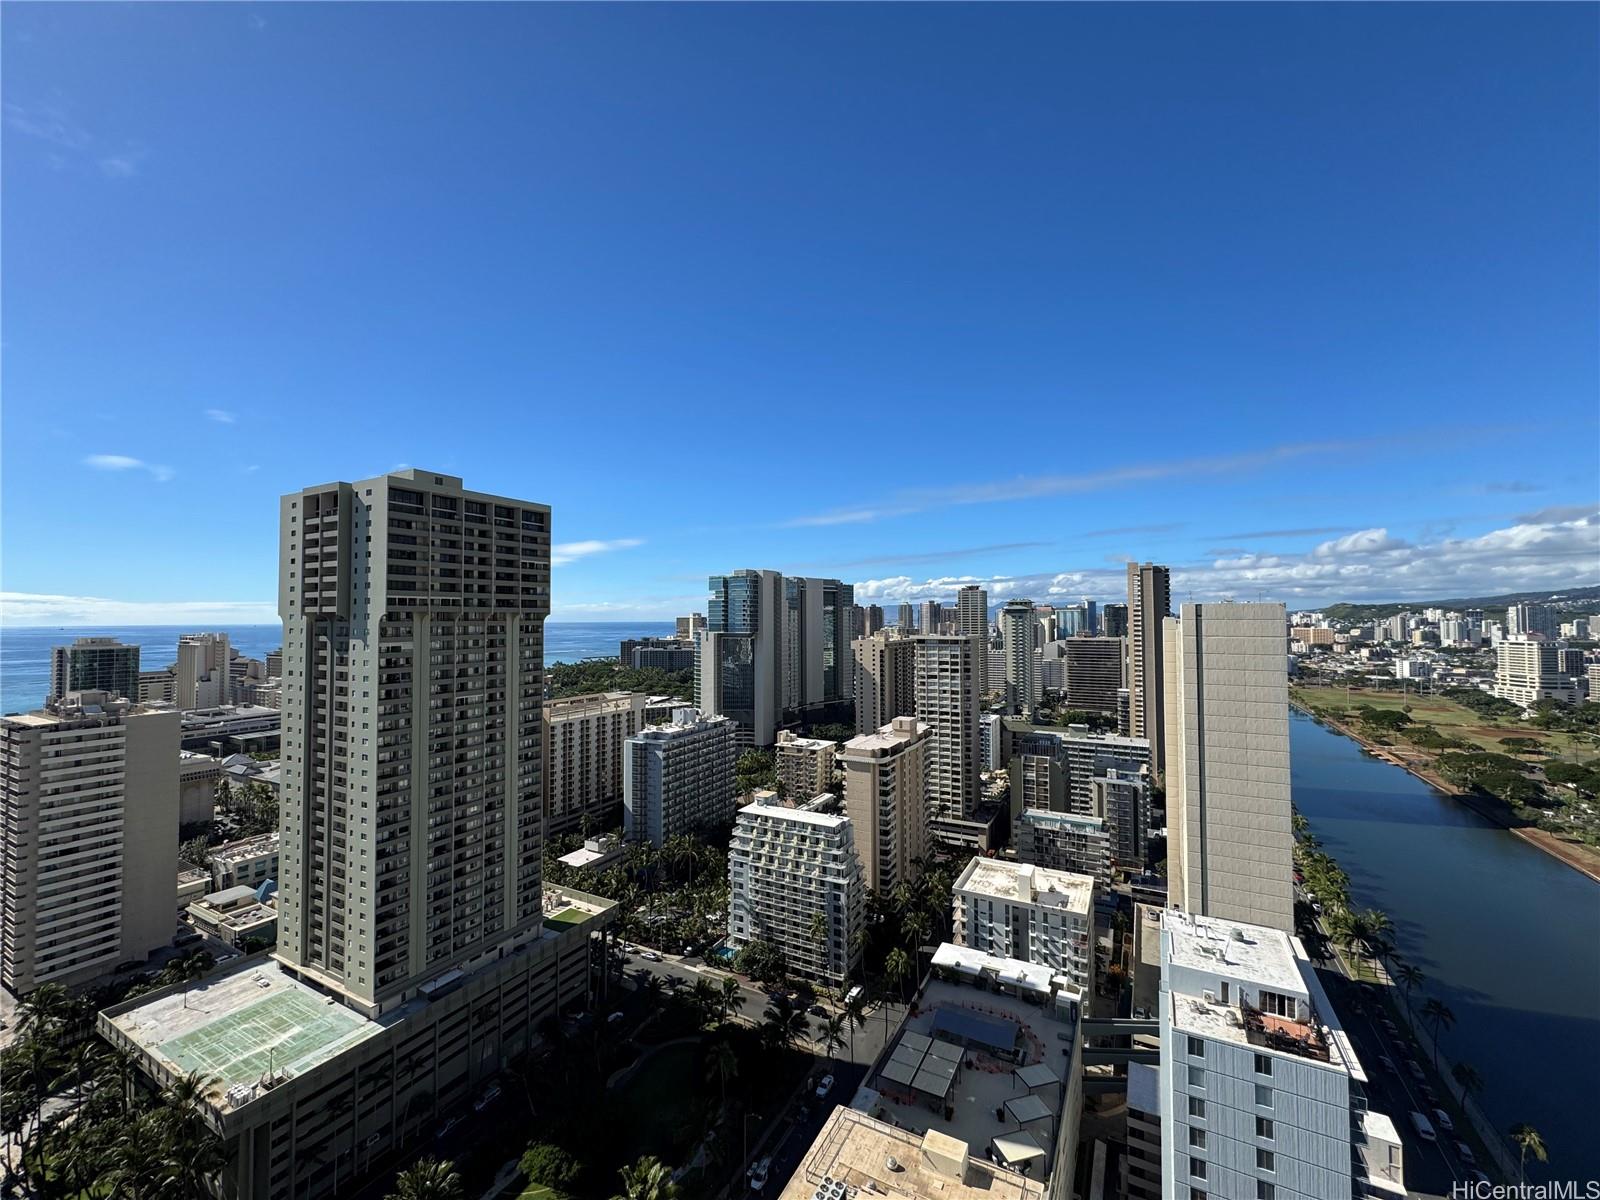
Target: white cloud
(48,123)
(1036,487)
(121,462)
(1363,541)
(39,608)
(120,166)
(567,552)
(222,416)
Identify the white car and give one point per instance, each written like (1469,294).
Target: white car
(825,1086)
(650,956)
(758,1173)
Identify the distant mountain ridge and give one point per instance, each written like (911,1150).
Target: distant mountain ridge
(1570,601)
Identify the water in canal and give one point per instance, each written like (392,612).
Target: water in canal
(1508,937)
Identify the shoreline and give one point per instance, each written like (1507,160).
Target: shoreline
(1581,859)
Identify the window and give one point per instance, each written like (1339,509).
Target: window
(1197,1138)
(1197,1107)
(1197,1077)
(1197,1167)
(1264,1190)
(1263,1065)
(1197,1048)
(1263,1096)
(1264,1160)
(1277,1004)
(1264,1128)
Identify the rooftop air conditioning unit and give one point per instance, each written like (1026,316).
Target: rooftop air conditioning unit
(1210,997)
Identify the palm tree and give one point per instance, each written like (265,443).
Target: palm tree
(1408,976)
(647,1179)
(722,1064)
(916,925)
(855,1013)
(1467,1079)
(832,1036)
(1527,1139)
(44,1010)
(1437,1014)
(784,1025)
(428,1179)
(897,968)
(819,937)
(196,1151)
(706,998)
(732,998)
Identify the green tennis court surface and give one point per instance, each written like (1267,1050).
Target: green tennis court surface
(288,1030)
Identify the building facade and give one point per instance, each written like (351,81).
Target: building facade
(1527,670)
(95,664)
(1028,913)
(885,679)
(678,778)
(1017,636)
(1149,603)
(739,657)
(89,840)
(794,879)
(1063,841)
(584,738)
(805,766)
(885,794)
(1230,848)
(203,674)
(1122,800)
(947,669)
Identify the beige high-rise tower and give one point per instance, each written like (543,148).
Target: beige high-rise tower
(885,680)
(1149,602)
(1228,802)
(885,787)
(948,702)
(413,616)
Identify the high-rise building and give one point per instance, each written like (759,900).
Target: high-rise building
(204,679)
(906,618)
(274,661)
(872,619)
(885,789)
(1022,673)
(413,613)
(1092,671)
(794,879)
(1526,618)
(678,778)
(1114,620)
(1230,853)
(930,617)
(583,759)
(1149,602)
(1029,913)
(804,766)
(94,664)
(1038,773)
(688,626)
(1528,670)
(1092,755)
(1262,1093)
(739,663)
(817,632)
(1063,841)
(885,678)
(88,838)
(972,620)
(948,702)
(1122,800)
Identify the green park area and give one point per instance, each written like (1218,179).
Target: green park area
(1484,726)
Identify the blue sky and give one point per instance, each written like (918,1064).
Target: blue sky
(1298,299)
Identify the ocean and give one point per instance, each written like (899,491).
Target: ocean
(25,652)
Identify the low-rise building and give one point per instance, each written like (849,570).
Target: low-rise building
(1122,800)
(596,854)
(248,862)
(1033,914)
(231,729)
(1063,841)
(794,879)
(804,766)
(678,778)
(236,916)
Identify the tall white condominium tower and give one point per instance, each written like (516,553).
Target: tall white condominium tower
(1262,1095)
(1033,914)
(804,766)
(885,787)
(1022,668)
(972,620)
(583,741)
(203,676)
(1531,618)
(1228,763)
(94,664)
(678,778)
(1527,670)
(739,658)
(88,838)
(794,880)
(413,617)
(930,615)
(1149,602)
(948,702)
(885,679)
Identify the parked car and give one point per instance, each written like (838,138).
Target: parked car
(1423,1127)
(650,956)
(1443,1121)
(758,1173)
(448,1127)
(1386,1063)
(816,1010)
(825,1086)
(490,1095)
(1465,1154)
(1416,1070)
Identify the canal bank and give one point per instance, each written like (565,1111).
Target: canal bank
(1507,936)
(1579,858)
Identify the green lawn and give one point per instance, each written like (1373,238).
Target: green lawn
(1451,719)
(655,1103)
(567,916)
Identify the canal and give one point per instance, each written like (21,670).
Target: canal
(1508,937)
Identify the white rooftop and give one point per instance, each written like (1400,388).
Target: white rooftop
(1028,884)
(1024,976)
(887,738)
(800,816)
(1252,954)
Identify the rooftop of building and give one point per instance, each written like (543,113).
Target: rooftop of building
(686,719)
(1253,954)
(970,1051)
(592,852)
(246,848)
(791,741)
(1044,816)
(886,739)
(228,712)
(572,706)
(853,1153)
(1027,883)
(807,815)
